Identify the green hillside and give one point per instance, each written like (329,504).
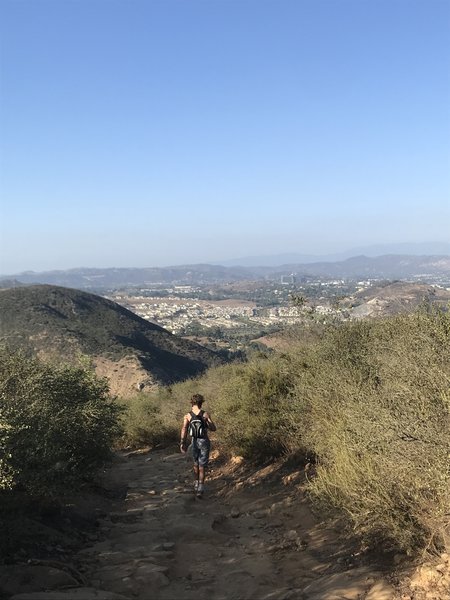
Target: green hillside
(60,322)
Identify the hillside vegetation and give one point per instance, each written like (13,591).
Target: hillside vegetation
(57,426)
(54,323)
(367,402)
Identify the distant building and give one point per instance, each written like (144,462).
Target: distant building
(288,279)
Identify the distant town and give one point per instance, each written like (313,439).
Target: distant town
(232,315)
(226,314)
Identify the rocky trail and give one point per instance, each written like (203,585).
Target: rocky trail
(252,537)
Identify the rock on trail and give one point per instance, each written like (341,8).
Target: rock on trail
(249,538)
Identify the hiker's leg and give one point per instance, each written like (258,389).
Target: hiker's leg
(196,472)
(202,464)
(195,456)
(201,474)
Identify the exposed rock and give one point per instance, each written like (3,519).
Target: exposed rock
(215,550)
(168,545)
(291,535)
(130,516)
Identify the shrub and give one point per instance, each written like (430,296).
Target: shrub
(57,424)
(251,406)
(146,420)
(372,403)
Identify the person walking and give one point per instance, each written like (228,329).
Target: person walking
(196,423)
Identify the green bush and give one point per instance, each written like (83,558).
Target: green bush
(248,402)
(149,421)
(372,403)
(156,418)
(57,425)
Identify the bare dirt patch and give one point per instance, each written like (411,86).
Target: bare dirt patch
(125,376)
(275,342)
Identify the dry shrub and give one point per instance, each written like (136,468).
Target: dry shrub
(373,405)
(156,418)
(147,422)
(252,404)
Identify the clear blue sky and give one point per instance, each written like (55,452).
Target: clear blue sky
(142,132)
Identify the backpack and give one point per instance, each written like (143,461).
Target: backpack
(197,425)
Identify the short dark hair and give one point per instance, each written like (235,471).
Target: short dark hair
(197,399)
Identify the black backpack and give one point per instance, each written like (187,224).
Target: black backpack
(197,425)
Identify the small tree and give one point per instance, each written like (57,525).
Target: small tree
(57,424)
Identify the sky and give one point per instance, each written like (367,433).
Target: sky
(138,133)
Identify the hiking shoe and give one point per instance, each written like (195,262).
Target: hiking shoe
(200,490)
(195,485)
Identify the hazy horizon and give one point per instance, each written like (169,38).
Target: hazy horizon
(165,133)
(419,249)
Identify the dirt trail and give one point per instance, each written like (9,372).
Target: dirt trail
(243,540)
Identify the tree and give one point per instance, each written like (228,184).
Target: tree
(57,424)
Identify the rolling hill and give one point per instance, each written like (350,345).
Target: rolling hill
(62,324)
(397,297)
(394,266)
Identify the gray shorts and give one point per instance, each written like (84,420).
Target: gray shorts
(200,451)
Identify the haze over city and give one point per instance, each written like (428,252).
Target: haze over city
(158,133)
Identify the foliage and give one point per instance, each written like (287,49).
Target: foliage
(372,403)
(148,421)
(57,424)
(244,398)
(248,401)
(252,407)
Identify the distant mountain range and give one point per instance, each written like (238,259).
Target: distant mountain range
(417,249)
(392,266)
(61,324)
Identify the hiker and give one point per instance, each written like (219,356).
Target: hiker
(196,423)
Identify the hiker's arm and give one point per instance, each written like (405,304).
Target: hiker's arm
(211,424)
(183,434)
